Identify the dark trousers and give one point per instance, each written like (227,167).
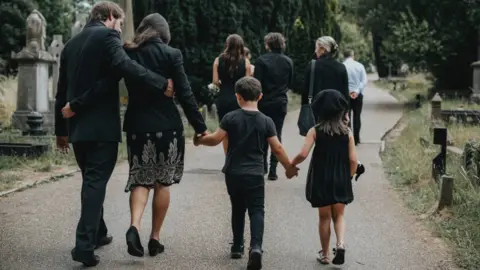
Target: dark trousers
(247,192)
(96,161)
(277,113)
(356,106)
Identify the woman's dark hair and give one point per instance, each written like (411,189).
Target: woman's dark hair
(233,52)
(275,41)
(153,25)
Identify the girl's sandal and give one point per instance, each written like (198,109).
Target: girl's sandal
(339,255)
(322,259)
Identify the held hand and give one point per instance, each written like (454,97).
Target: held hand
(291,171)
(62,144)
(169,92)
(353,95)
(198,137)
(67,111)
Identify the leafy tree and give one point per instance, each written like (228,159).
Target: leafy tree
(13,14)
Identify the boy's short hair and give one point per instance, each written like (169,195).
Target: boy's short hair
(248,88)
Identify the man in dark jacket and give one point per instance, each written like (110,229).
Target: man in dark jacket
(274,70)
(95,54)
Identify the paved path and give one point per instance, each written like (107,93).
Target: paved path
(37,225)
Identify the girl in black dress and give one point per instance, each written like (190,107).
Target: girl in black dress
(332,166)
(228,68)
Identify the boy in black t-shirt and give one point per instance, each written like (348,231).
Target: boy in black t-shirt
(248,132)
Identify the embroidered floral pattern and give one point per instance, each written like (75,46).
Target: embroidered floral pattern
(164,167)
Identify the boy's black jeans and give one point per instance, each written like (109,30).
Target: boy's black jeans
(247,192)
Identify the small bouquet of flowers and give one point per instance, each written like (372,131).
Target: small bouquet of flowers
(212,92)
(213,88)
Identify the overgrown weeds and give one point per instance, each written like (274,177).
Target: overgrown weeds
(408,161)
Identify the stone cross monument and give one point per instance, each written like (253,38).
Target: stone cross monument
(33,63)
(55,50)
(80,22)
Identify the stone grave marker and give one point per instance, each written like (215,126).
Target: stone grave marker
(55,50)
(33,73)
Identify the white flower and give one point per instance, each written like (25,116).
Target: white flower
(213,87)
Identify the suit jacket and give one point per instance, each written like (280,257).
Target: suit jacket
(153,112)
(329,74)
(94,60)
(274,70)
(149,111)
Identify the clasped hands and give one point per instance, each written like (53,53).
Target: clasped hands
(290,171)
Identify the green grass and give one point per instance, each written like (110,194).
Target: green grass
(408,165)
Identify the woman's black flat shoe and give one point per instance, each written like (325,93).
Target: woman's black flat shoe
(134,244)
(154,247)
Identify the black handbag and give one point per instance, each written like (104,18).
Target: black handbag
(306,119)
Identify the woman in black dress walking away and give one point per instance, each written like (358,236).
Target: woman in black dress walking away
(228,68)
(332,166)
(155,137)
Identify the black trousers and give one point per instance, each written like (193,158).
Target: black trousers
(277,113)
(247,192)
(96,161)
(356,106)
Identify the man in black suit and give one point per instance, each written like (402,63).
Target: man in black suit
(95,59)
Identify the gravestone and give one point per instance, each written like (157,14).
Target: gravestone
(55,50)
(476,82)
(33,65)
(81,20)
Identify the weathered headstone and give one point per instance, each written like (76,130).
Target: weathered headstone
(33,65)
(436,107)
(476,82)
(55,50)
(81,20)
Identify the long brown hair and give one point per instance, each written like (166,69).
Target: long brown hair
(153,25)
(233,52)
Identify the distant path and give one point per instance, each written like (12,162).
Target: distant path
(37,226)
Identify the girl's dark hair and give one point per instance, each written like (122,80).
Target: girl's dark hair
(153,25)
(233,52)
(337,125)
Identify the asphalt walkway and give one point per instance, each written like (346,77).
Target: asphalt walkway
(37,226)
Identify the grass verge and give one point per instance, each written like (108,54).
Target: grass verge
(407,162)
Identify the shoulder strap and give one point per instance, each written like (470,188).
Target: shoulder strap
(312,76)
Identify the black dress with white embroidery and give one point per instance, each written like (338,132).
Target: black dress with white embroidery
(156,157)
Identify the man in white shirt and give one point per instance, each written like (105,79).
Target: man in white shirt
(357,80)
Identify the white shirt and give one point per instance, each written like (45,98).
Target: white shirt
(357,76)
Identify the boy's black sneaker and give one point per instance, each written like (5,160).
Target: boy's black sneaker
(236,252)
(255,259)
